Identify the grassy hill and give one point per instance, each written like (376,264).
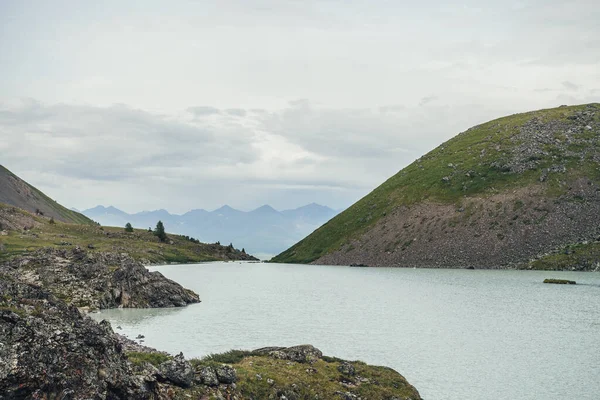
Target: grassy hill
(16,192)
(24,232)
(521,177)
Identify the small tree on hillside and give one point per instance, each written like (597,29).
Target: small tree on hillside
(128,227)
(160,231)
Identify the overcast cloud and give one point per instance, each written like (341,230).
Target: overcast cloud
(181,105)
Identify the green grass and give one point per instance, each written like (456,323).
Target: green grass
(263,377)
(474,155)
(138,359)
(19,311)
(583,256)
(229,357)
(140,244)
(319,380)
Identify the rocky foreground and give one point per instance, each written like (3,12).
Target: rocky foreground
(50,349)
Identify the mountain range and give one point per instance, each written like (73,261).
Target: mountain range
(263,231)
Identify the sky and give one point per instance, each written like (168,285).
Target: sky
(194,104)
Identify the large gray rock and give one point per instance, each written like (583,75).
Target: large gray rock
(177,371)
(208,376)
(303,353)
(99,280)
(49,350)
(226,374)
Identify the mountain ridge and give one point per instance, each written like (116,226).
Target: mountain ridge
(16,192)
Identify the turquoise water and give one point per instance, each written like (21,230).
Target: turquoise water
(454,334)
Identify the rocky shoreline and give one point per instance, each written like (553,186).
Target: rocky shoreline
(50,348)
(98,280)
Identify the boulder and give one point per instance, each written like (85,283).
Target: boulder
(177,371)
(303,354)
(346,368)
(226,374)
(208,376)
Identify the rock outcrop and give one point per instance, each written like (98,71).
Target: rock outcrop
(98,280)
(49,350)
(303,354)
(177,371)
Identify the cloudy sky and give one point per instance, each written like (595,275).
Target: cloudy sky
(194,104)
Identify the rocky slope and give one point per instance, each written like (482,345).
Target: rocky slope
(97,280)
(511,193)
(16,192)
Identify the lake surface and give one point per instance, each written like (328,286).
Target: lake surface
(454,334)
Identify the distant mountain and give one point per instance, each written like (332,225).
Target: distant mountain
(261,231)
(16,192)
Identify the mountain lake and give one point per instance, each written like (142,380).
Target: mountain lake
(454,334)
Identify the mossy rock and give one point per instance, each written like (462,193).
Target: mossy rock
(277,371)
(560,281)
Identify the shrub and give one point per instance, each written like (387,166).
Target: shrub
(229,357)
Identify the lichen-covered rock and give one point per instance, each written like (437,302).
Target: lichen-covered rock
(226,374)
(177,370)
(98,280)
(49,350)
(208,376)
(303,353)
(347,369)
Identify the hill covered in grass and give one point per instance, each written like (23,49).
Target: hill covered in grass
(512,192)
(16,192)
(23,232)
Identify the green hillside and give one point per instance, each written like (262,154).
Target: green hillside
(23,232)
(546,148)
(18,193)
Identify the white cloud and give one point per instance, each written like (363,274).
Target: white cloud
(207,87)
